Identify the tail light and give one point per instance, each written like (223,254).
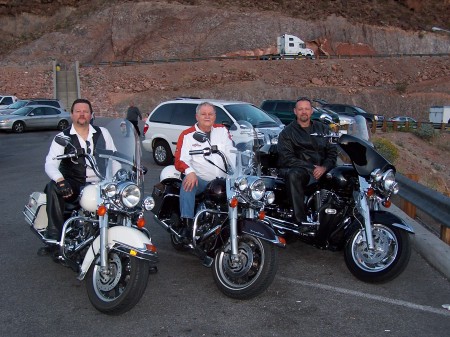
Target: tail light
(145,128)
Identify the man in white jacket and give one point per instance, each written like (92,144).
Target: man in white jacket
(199,172)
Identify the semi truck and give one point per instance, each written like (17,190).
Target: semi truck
(440,114)
(290,46)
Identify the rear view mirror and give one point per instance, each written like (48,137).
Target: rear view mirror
(62,140)
(200,137)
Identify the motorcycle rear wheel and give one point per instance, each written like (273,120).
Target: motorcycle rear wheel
(252,275)
(388,259)
(120,291)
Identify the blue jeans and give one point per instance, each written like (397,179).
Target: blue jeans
(187,199)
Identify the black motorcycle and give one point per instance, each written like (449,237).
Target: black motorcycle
(229,228)
(344,208)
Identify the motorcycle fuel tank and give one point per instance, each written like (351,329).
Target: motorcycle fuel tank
(341,179)
(216,191)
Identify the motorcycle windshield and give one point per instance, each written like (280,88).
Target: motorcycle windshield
(122,161)
(245,161)
(356,144)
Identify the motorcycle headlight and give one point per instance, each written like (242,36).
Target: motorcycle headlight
(241,183)
(110,190)
(130,195)
(269,197)
(257,189)
(149,203)
(388,182)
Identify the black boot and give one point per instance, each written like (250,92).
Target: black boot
(186,230)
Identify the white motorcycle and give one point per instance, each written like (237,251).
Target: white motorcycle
(103,237)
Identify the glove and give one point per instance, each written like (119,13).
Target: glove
(64,188)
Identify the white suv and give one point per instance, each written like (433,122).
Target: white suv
(6,100)
(170,118)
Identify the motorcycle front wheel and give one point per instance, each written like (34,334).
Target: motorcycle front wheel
(122,288)
(251,274)
(388,259)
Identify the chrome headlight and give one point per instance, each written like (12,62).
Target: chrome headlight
(241,183)
(149,203)
(130,195)
(377,174)
(110,190)
(257,189)
(269,197)
(388,182)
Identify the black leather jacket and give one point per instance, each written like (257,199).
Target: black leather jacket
(297,148)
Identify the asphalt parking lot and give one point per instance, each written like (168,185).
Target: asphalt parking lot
(313,293)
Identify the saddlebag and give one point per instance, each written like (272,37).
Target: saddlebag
(167,195)
(35,212)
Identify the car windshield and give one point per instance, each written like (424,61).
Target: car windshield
(22,111)
(17,105)
(360,110)
(250,113)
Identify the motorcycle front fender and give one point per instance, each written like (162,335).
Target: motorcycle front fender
(388,218)
(382,217)
(127,240)
(261,230)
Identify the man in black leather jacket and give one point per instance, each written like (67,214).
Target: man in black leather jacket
(302,156)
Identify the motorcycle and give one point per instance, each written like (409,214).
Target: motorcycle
(344,208)
(229,230)
(103,237)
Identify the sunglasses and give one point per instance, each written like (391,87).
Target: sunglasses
(88,149)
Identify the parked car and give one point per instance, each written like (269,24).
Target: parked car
(284,110)
(170,118)
(35,117)
(25,102)
(350,110)
(6,100)
(402,119)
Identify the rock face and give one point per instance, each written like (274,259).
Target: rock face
(98,31)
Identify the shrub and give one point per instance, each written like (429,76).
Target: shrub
(386,149)
(426,132)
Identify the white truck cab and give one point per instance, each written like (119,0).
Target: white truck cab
(290,45)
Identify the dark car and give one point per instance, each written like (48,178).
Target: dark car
(350,110)
(284,110)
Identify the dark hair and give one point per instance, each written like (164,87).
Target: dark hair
(304,99)
(81,100)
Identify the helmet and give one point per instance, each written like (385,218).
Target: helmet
(89,197)
(169,172)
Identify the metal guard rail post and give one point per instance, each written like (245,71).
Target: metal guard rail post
(429,201)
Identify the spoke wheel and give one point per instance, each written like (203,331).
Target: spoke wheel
(121,288)
(251,274)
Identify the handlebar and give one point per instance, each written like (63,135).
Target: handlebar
(208,151)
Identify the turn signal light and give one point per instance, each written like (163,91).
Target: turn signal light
(370,192)
(101,210)
(282,240)
(233,202)
(261,215)
(141,222)
(387,203)
(150,247)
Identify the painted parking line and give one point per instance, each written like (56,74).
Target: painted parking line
(401,303)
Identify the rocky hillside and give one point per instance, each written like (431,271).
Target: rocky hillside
(91,32)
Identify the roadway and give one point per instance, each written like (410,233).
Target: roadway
(313,293)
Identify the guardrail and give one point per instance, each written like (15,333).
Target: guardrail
(254,57)
(431,202)
(407,126)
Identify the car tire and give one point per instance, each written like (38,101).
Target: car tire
(62,125)
(18,127)
(162,154)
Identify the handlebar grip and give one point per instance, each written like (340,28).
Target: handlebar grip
(193,152)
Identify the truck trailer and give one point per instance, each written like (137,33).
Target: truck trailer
(440,114)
